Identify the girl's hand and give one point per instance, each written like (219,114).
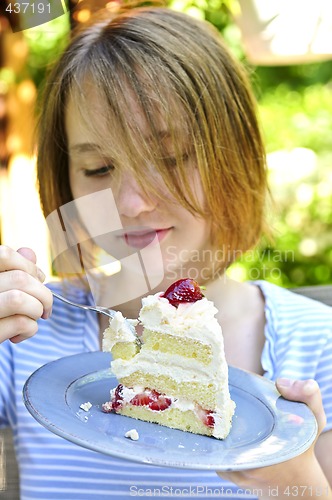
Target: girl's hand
(305,391)
(23,297)
(304,471)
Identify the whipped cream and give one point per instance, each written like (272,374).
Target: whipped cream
(195,320)
(159,314)
(119,330)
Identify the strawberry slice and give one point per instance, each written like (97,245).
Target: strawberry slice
(209,420)
(153,399)
(183,290)
(142,399)
(160,404)
(116,401)
(206,416)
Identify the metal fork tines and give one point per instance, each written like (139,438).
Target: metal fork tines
(102,310)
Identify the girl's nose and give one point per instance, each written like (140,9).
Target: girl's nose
(130,199)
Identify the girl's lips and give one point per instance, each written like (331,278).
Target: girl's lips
(141,239)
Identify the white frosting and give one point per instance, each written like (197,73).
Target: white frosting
(119,330)
(194,320)
(221,417)
(128,394)
(171,365)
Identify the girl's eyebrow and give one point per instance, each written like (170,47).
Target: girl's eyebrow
(84,147)
(163,133)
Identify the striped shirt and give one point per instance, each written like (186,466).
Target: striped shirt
(298,345)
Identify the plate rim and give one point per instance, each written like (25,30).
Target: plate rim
(101,362)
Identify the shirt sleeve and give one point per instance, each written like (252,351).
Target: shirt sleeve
(298,340)
(7,386)
(324,379)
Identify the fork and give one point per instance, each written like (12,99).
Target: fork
(102,310)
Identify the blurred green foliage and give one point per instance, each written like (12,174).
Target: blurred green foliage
(295,106)
(297,124)
(45,43)
(300,219)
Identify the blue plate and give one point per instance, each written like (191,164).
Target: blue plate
(267,429)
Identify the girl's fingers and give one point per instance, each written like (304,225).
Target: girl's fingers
(16,287)
(305,391)
(10,260)
(16,302)
(17,328)
(23,297)
(28,253)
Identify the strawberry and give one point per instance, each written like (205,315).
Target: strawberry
(142,399)
(183,290)
(117,399)
(153,399)
(209,420)
(206,416)
(150,398)
(160,404)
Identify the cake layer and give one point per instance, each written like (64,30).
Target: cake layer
(206,395)
(183,346)
(125,350)
(182,368)
(176,373)
(178,413)
(172,417)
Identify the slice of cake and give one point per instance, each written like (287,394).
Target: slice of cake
(175,374)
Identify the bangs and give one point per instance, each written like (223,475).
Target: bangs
(143,124)
(161,97)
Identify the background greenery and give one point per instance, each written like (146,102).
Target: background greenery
(295,105)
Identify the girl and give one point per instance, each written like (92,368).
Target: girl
(148,109)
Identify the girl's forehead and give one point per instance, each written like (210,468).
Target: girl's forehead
(89,116)
(89,106)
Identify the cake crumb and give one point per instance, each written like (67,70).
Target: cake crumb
(86,406)
(132,434)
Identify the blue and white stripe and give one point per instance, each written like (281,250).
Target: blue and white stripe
(298,345)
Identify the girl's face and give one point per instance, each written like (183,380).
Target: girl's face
(131,217)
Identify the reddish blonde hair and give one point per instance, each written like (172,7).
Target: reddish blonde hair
(204,97)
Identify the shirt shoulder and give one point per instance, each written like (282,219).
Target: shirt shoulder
(284,306)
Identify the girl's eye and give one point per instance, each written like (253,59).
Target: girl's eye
(98,172)
(171,161)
